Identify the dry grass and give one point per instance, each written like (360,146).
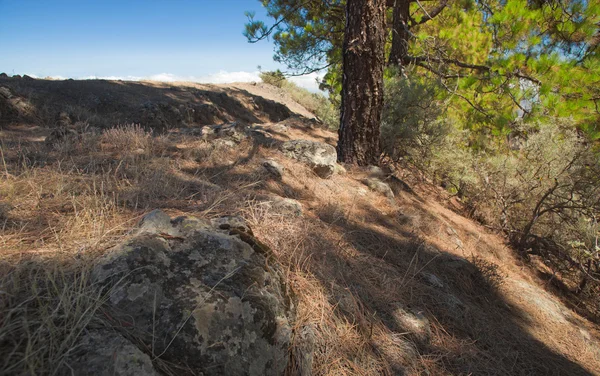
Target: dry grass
(353,259)
(45,309)
(61,206)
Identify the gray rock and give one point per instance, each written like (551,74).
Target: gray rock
(203,293)
(229,223)
(432,280)
(232,131)
(279,128)
(107,353)
(261,137)
(319,156)
(273,168)
(379,186)
(5,92)
(303,351)
(224,143)
(376,172)
(284,205)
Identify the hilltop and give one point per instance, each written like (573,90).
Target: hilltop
(383,272)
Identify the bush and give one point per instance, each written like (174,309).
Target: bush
(545,195)
(543,192)
(411,129)
(275,78)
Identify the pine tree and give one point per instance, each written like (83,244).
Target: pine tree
(362,86)
(499,61)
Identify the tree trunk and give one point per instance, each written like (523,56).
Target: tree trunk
(400,34)
(362,83)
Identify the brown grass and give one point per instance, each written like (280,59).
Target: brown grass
(353,259)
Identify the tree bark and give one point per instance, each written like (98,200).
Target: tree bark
(400,33)
(362,83)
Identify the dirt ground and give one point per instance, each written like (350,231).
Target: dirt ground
(402,286)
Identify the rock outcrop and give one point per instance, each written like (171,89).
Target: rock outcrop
(283,206)
(273,168)
(204,295)
(107,353)
(319,156)
(379,186)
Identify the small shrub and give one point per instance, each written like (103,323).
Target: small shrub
(411,129)
(126,138)
(275,78)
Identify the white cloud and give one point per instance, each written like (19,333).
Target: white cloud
(308,81)
(222,77)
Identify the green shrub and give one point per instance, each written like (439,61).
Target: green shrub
(275,78)
(545,195)
(411,128)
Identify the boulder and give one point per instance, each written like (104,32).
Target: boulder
(205,295)
(379,186)
(273,168)
(375,171)
(232,131)
(319,156)
(103,352)
(282,205)
(5,92)
(262,137)
(302,352)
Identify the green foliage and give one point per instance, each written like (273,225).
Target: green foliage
(305,33)
(319,105)
(275,78)
(542,189)
(497,100)
(499,59)
(411,129)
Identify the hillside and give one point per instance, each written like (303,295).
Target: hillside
(385,275)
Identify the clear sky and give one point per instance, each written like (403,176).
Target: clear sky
(167,39)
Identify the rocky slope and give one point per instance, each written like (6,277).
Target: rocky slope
(266,257)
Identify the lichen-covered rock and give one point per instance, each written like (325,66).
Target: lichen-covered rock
(282,205)
(379,186)
(376,172)
(273,168)
(319,156)
(5,92)
(107,353)
(206,295)
(302,352)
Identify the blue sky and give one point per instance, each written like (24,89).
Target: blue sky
(193,39)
